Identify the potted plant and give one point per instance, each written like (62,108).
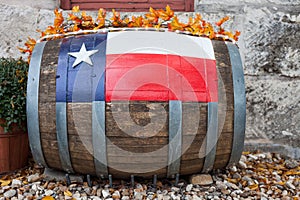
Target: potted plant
(14,147)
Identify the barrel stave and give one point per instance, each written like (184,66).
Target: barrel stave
(226,105)
(47,104)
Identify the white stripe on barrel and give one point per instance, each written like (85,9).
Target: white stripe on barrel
(159,43)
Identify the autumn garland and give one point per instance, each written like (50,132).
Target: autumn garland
(79,21)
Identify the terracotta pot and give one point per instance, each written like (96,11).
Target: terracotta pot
(14,149)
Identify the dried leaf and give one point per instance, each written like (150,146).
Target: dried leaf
(48,198)
(101,18)
(292,172)
(58,18)
(176,25)
(253,187)
(236,35)
(219,23)
(75,9)
(280,183)
(153,15)
(74,18)
(5,182)
(137,21)
(232,180)
(166,15)
(116,19)
(68,193)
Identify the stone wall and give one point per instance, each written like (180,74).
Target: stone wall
(269,45)
(271,52)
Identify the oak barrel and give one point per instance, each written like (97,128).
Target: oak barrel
(137,103)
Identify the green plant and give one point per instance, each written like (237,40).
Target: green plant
(13,82)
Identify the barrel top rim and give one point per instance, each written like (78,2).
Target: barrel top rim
(112,29)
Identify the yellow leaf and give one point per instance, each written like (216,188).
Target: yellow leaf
(68,193)
(176,25)
(219,23)
(116,19)
(246,152)
(137,21)
(58,18)
(5,182)
(280,183)
(75,9)
(232,180)
(153,15)
(166,15)
(253,187)
(292,172)
(261,169)
(157,26)
(101,18)
(48,198)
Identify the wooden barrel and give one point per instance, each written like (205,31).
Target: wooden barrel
(139,103)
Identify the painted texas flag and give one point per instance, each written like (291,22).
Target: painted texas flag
(141,66)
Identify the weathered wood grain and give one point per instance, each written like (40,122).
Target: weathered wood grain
(226,131)
(47,99)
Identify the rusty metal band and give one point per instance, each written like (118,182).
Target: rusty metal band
(99,138)
(211,137)
(62,136)
(32,106)
(239,103)
(175,137)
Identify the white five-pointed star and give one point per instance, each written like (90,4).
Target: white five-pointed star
(83,56)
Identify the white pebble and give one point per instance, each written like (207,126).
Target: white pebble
(33,178)
(16,183)
(290,185)
(195,197)
(233,169)
(261,155)
(76,195)
(105,193)
(253,157)
(166,197)
(48,192)
(96,198)
(242,165)
(34,187)
(243,158)
(160,196)
(216,197)
(116,195)
(175,189)
(10,193)
(189,187)
(20,196)
(269,192)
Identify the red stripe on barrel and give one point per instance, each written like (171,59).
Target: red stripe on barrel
(160,77)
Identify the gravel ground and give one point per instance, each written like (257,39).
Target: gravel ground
(257,176)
